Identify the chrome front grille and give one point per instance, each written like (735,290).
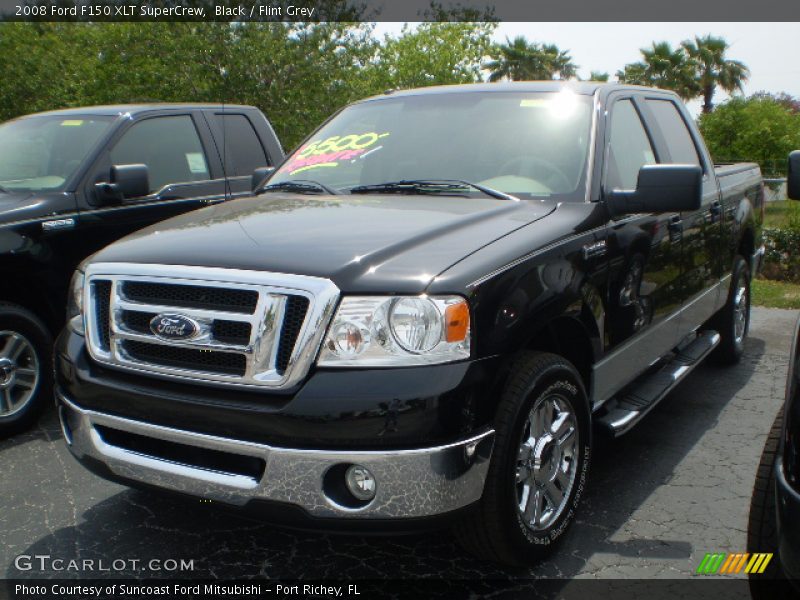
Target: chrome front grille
(249,328)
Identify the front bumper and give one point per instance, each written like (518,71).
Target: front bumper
(411,483)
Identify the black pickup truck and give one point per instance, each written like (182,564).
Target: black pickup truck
(421,314)
(73,181)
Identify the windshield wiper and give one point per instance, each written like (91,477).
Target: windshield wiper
(428,186)
(300,186)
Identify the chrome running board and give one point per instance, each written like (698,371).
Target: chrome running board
(621,413)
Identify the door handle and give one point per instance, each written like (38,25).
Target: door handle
(715,210)
(675,228)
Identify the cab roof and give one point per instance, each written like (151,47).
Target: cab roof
(114,110)
(587,88)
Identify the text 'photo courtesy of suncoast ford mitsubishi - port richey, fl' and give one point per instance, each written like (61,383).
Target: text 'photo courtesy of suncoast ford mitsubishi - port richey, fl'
(440,311)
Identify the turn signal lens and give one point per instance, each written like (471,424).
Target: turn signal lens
(456,319)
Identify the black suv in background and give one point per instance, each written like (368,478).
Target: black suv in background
(775,507)
(73,181)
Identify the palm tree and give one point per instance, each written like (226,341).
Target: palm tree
(664,67)
(519,60)
(557,63)
(712,69)
(598,76)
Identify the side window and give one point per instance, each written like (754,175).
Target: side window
(169,146)
(242,149)
(676,135)
(629,147)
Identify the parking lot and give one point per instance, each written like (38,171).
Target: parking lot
(676,487)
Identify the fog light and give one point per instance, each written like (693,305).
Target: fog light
(360,482)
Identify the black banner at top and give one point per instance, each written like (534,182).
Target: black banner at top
(400,10)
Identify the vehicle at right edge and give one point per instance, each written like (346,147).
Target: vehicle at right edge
(774,525)
(422,315)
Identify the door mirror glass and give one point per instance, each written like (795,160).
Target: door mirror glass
(793,176)
(660,189)
(259,175)
(125,181)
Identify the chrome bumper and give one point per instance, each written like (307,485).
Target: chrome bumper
(410,483)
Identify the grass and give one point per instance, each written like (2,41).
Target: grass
(777,213)
(776,294)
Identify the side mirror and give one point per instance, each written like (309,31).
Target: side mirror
(793,176)
(660,189)
(126,181)
(259,175)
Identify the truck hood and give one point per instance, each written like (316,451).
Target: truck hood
(376,244)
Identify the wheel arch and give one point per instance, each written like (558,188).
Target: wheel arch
(35,298)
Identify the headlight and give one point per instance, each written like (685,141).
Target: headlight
(397,331)
(75,303)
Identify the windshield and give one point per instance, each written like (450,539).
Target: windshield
(41,153)
(525,144)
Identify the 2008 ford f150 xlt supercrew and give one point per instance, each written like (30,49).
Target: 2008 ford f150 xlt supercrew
(75,180)
(421,315)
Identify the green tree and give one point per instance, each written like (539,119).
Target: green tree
(759,129)
(665,67)
(519,60)
(297,73)
(713,69)
(598,76)
(431,54)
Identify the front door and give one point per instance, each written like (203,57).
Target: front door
(184,175)
(644,250)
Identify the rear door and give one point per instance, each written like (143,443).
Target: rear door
(701,248)
(245,141)
(184,168)
(644,250)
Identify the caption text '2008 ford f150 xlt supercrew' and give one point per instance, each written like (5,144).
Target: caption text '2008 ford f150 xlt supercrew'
(422,314)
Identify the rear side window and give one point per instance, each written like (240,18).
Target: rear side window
(629,148)
(242,149)
(169,146)
(679,142)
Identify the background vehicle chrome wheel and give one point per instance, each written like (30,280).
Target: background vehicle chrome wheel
(546,462)
(19,372)
(26,374)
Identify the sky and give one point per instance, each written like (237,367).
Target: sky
(770,50)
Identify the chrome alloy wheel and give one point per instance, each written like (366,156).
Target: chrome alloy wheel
(19,372)
(740,314)
(546,461)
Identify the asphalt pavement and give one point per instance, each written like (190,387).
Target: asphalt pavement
(658,499)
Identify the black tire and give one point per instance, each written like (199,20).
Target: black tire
(762,526)
(730,348)
(495,530)
(20,321)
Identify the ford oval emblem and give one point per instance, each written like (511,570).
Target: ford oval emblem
(174,327)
